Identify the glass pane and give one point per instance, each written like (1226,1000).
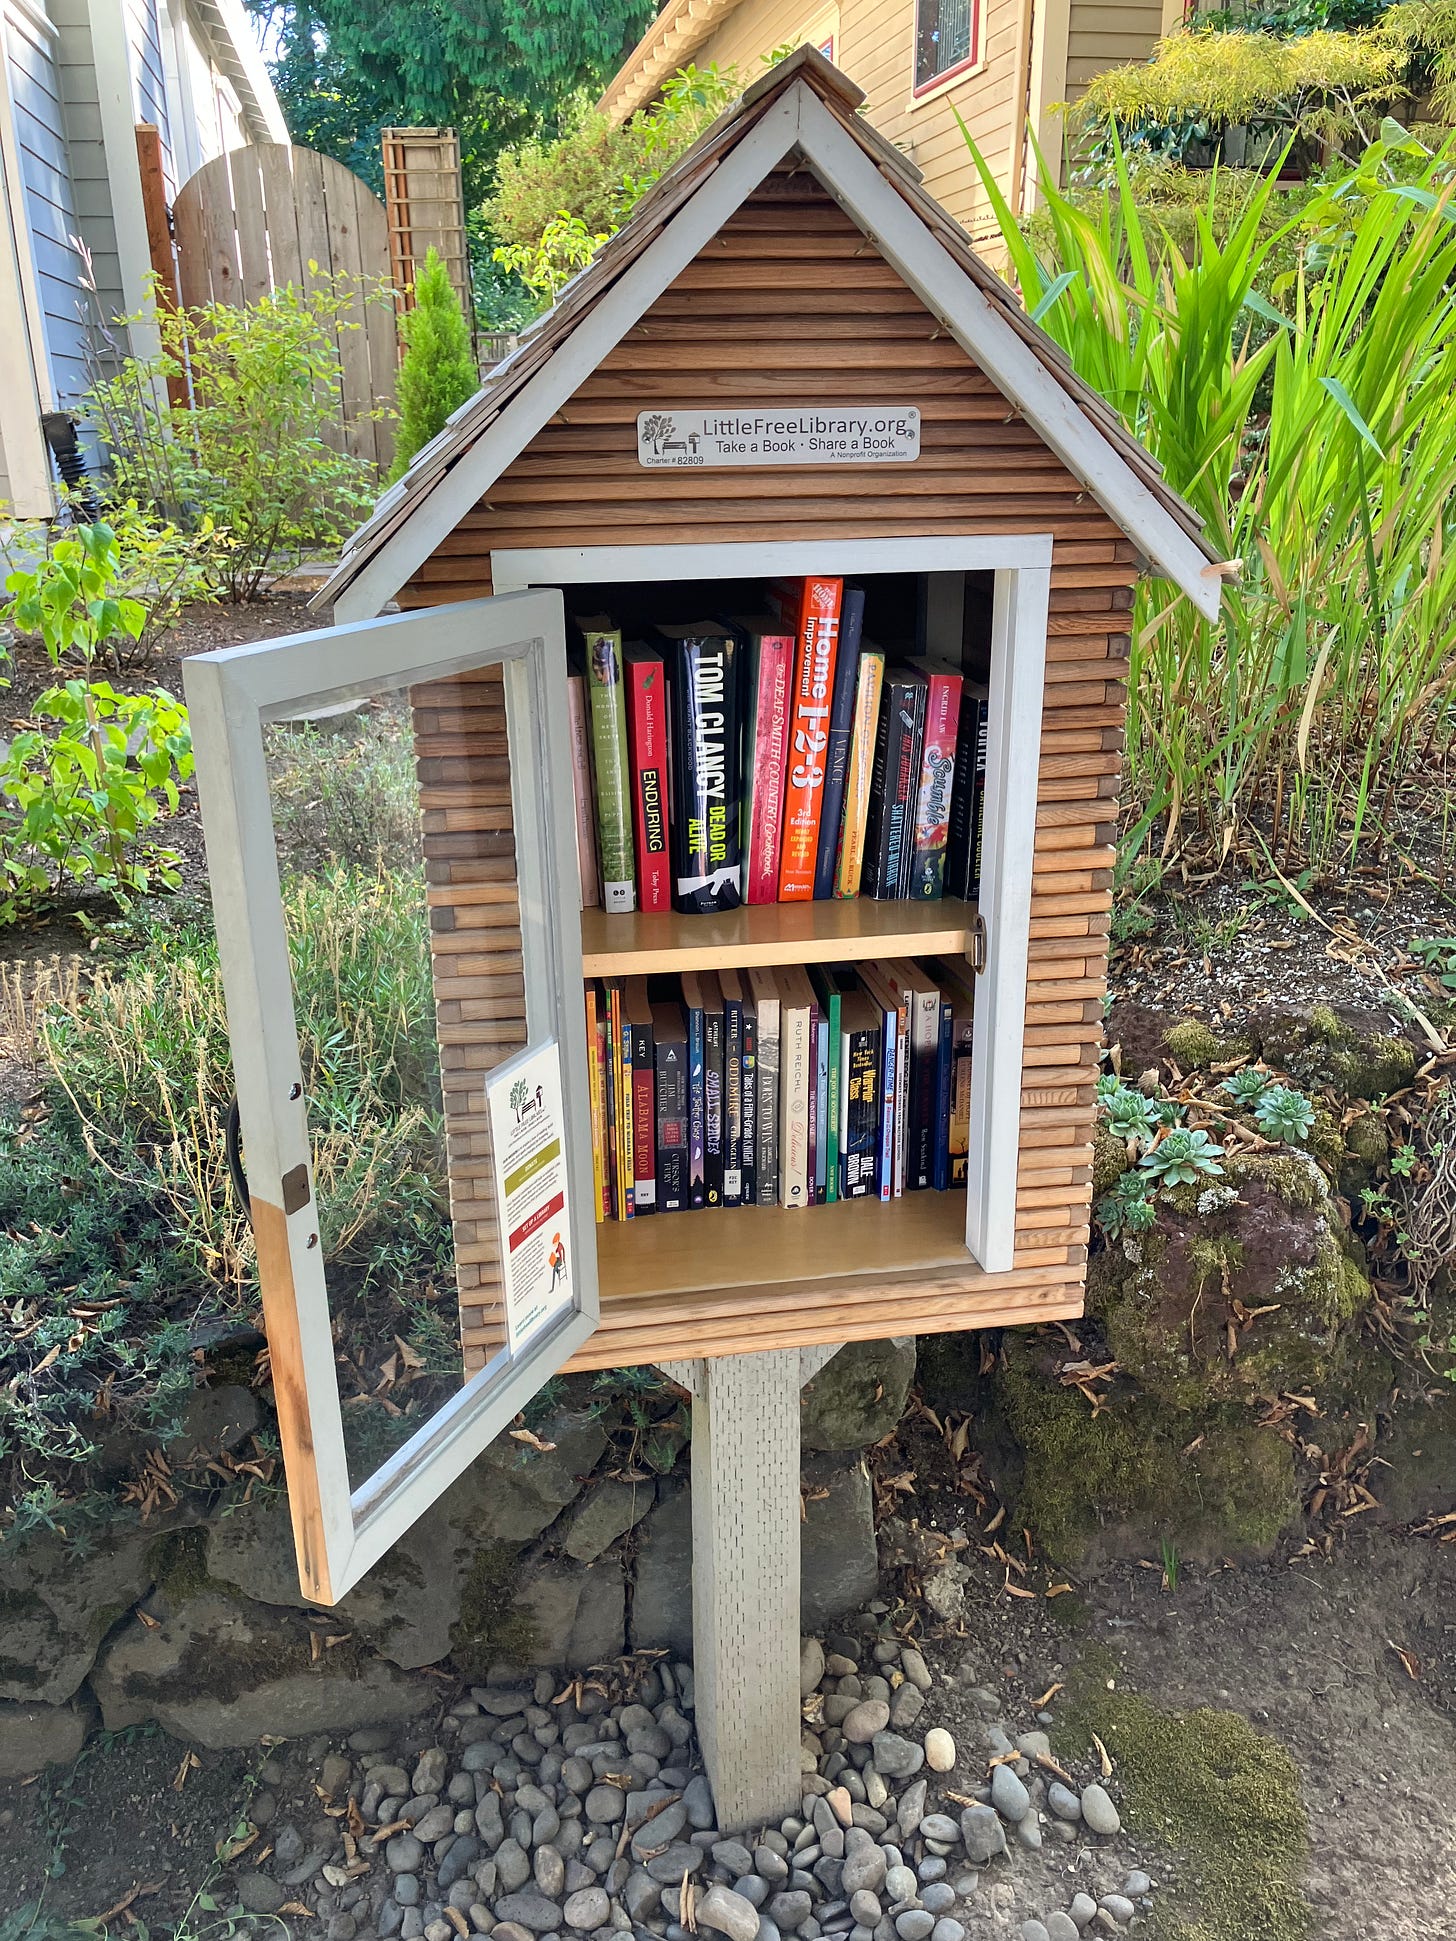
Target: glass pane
(943,37)
(375,804)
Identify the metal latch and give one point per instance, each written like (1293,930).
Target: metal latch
(978,944)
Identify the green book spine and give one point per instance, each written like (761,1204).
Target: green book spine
(827,992)
(609,745)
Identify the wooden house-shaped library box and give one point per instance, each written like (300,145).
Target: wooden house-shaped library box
(789,264)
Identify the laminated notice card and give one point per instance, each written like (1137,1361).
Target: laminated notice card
(529,1156)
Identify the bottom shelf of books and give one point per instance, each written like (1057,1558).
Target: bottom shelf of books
(772,1246)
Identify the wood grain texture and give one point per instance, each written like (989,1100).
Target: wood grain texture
(733,331)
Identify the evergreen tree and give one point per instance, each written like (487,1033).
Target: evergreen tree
(438,373)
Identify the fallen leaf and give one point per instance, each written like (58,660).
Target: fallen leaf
(1104,1755)
(532,1441)
(1412,1664)
(1057,1590)
(1048,1764)
(1040,1704)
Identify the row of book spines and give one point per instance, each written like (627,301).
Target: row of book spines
(903,772)
(791,1088)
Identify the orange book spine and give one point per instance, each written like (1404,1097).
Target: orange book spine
(818,636)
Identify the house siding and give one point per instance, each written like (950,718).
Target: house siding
(50,204)
(81,109)
(149,77)
(1101,36)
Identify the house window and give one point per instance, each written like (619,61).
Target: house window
(945,38)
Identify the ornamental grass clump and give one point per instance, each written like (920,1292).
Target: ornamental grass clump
(1314,430)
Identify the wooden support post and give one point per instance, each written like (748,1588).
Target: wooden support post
(746,1583)
(159,235)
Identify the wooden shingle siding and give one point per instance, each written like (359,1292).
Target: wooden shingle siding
(791,302)
(50,208)
(1101,36)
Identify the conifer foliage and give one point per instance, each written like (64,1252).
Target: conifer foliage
(439,372)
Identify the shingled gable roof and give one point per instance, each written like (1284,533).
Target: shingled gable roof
(803,106)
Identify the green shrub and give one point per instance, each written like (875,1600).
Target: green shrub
(346,795)
(557,202)
(144,1062)
(251,459)
(438,373)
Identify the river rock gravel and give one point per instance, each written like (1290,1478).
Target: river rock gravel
(536,1809)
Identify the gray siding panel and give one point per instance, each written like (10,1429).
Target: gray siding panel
(82,121)
(49,201)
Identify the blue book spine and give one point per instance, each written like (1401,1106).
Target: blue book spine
(889,1023)
(944,1065)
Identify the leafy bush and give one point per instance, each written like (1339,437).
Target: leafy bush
(145,1065)
(438,373)
(557,202)
(80,785)
(345,796)
(1329,674)
(157,567)
(252,458)
(99,1302)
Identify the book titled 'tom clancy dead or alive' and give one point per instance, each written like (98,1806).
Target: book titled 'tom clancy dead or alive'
(702,663)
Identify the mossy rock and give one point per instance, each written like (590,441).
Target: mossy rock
(1323,1047)
(1210,1787)
(1196,1048)
(1366,1154)
(1214,1482)
(1109,1161)
(1235,1297)
(1148,1042)
(491,1627)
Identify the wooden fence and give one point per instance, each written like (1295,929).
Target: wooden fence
(257,219)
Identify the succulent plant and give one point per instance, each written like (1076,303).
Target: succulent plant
(1183,1157)
(1248,1086)
(1284,1114)
(1129,1114)
(1128,1208)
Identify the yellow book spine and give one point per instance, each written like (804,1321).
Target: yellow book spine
(849,866)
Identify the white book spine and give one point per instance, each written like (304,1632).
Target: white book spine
(796,1078)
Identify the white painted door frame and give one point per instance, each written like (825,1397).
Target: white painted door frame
(340,1532)
(1022,568)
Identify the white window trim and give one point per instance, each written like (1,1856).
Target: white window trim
(1022,566)
(339,1533)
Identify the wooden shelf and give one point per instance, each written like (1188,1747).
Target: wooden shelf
(772,933)
(767,1246)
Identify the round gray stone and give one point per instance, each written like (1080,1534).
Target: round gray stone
(259,1893)
(869,1716)
(550,1871)
(512,1866)
(588,1908)
(947,1929)
(729,1913)
(403,1854)
(900,1884)
(407,1889)
(983,1834)
(865,1907)
(1033,1931)
(531,1911)
(864,1867)
(1137,1884)
(1098,1811)
(896,1757)
(1009,1797)
(939,1897)
(605,1805)
(1083,1910)
(790,1909)
(1061,1927)
(753,1887)
(940,1826)
(1119,1907)
(915,1924)
(1063,1802)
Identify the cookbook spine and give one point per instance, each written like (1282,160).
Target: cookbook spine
(841,727)
(818,640)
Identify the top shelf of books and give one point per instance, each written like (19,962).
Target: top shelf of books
(836,931)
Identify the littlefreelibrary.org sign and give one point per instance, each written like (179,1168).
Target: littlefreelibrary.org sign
(861,434)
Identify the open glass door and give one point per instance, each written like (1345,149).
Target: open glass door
(389,1379)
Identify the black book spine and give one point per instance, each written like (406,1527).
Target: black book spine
(671,1060)
(732,1101)
(978,805)
(696,1105)
(969,757)
(750,1104)
(858,1168)
(841,727)
(893,795)
(706,855)
(713,1107)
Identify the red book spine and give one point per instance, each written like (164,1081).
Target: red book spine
(647,750)
(770,761)
(937,771)
(809,738)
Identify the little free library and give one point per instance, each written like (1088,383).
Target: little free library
(761,640)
